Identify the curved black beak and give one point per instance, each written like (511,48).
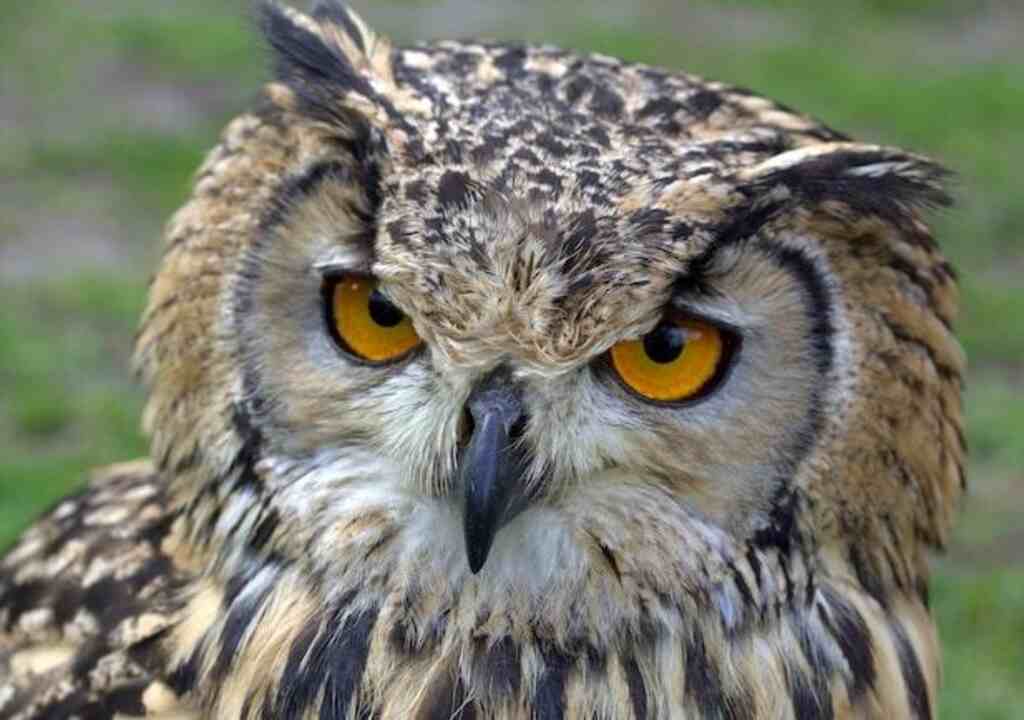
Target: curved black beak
(492,465)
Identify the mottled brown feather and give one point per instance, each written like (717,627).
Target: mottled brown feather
(295,550)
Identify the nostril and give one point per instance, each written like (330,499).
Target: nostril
(518,429)
(465,428)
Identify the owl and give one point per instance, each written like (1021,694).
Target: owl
(504,382)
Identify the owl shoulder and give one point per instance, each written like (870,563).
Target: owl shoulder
(83,594)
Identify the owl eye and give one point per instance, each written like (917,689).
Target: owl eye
(364,323)
(679,360)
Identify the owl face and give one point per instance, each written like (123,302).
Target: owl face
(499,318)
(502,308)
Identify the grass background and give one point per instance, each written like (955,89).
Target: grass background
(107,106)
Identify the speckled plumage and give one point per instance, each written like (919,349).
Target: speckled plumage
(295,549)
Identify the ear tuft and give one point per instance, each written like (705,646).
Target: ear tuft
(329,60)
(331,12)
(866,179)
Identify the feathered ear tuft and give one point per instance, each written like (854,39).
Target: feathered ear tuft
(330,61)
(865,179)
(352,27)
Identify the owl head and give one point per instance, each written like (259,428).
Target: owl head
(563,340)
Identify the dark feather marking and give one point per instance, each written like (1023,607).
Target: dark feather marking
(344,661)
(402,637)
(888,196)
(453,153)
(747,223)
(182,679)
(549,697)
(294,695)
(552,180)
(453,189)
(500,665)
(755,564)
(321,76)
(369,176)
(810,587)
(302,186)
(73,705)
(867,575)
(814,692)
(265,529)
(513,62)
(921,588)
(111,599)
(787,578)
(108,600)
(703,103)
(335,12)
(664,109)
(851,633)
(605,102)
(778,533)
(160,528)
(126,700)
(703,684)
(913,677)
(648,221)
(305,60)
(576,88)
(416,191)
(485,153)
(742,586)
(600,136)
(552,145)
(149,653)
(88,656)
(680,230)
(248,706)
(19,599)
(637,689)
(578,238)
(399,232)
(609,556)
(810,696)
(245,605)
(244,463)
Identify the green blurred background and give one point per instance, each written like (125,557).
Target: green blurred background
(107,106)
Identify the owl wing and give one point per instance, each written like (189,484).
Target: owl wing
(84,595)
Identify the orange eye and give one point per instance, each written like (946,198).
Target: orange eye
(365,323)
(675,361)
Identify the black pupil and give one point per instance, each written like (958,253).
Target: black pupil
(383,312)
(665,343)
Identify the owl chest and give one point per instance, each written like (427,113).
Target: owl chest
(287,655)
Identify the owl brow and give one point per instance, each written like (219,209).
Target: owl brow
(698,303)
(333,267)
(300,187)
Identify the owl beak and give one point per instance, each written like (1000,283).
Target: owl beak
(492,466)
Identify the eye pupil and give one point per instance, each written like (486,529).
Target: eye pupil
(665,343)
(383,312)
